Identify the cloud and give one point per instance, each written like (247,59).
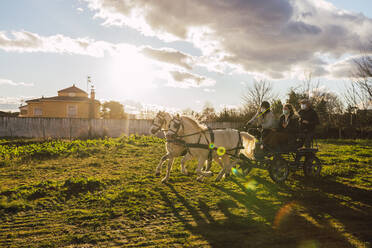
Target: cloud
(172,63)
(23,41)
(209,90)
(12,103)
(80,9)
(12,83)
(341,69)
(346,68)
(183,79)
(169,56)
(272,37)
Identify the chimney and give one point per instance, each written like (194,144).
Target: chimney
(92,93)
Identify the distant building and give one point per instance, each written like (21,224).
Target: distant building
(71,102)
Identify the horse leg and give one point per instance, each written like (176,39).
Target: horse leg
(201,173)
(170,162)
(208,166)
(183,161)
(225,164)
(162,160)
(229,167)
(220,174)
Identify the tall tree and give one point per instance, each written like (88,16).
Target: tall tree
(112,110)
(255,94)
(277,107)
(208,113)
(363,75)
(294,98)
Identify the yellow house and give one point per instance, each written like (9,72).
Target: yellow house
(71,102)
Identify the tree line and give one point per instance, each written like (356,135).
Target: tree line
(345,116)
(341,116)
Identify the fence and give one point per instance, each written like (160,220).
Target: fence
(79,128)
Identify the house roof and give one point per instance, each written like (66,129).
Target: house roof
(73,89)
(62,98)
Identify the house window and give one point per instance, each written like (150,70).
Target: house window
(71,111)
(38,111)
(72,94)
(23,111)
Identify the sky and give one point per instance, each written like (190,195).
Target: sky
(177,54)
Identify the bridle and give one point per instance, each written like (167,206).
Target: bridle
(162,120)
(178,124)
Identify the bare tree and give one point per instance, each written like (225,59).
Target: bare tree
(355,98)
(255,94)
(363,75)
(208,113)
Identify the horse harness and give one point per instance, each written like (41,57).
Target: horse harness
(210,143)
(162,121)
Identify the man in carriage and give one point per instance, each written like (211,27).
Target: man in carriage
(264,118)
(308,121)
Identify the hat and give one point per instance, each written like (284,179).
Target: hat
(265,104)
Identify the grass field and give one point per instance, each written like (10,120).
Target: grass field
(104,193)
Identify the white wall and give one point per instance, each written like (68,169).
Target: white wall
(75,128)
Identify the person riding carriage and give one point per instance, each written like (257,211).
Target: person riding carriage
(264,118)
(282,136)
(308,121)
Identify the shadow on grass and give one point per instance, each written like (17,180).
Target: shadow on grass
(346,208)
(230,232)
(260,224)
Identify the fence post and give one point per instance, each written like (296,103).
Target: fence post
(43,127)
(70,127)
(10,127)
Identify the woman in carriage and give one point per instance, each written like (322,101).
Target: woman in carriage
(277,136)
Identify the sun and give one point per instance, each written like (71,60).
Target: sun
(131,70)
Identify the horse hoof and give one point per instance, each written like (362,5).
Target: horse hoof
(157,174)
(199,179)
(208,173)
(185,173)
(164,180)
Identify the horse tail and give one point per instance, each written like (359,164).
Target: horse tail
(249,142)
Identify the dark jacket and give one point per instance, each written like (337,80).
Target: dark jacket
(311,116)
(292,127)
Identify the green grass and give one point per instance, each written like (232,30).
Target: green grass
(104,193)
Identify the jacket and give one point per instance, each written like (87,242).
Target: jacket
(292,126)
(266,120)
(311,116)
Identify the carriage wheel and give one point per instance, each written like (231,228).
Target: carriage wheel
(279,169)
(312,166)
(245,165)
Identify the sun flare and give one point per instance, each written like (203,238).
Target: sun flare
(132,71)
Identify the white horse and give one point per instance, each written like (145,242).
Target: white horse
(174,150)
(199,138)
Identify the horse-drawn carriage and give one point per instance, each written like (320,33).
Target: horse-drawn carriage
(230,148)
(280,161)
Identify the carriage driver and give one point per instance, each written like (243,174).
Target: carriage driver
(308,121)
(265,118)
